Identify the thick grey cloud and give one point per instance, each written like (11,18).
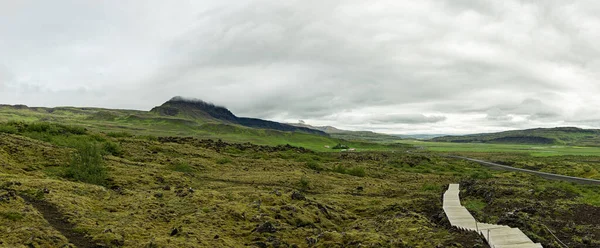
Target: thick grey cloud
(5,76)
(533,109)
(453,66)
(407,118)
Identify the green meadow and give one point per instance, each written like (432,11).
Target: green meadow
(134,122)
(534,150)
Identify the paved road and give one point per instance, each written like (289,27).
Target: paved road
(542,174)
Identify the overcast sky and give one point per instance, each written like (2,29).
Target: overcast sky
(394,66)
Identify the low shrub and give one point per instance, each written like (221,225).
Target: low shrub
(431,187)
(119,135)
(41,127)
(304,184)
(53,128)
(148,137)
(481,175)
(223,161)
(339,169)
(87,165)
(113,149)
(396,163)
(8,129)
(14,216)
(182,167)
(356,171)
(314,165)
(340,146)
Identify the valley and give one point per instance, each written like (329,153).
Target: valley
(125,178)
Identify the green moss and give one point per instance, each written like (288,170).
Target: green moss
(474,205)
(481,175)
(304,184)
(223,160)
(314,165)
(356,171)
(431,187)
(13,216)
(182,167)
(120,134)
(8,129)
(113,148)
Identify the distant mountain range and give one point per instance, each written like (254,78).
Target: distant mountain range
(350,135)
(554,136)
(198,109)
(420,136)
(178,115)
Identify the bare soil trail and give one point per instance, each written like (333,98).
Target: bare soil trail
(58,221)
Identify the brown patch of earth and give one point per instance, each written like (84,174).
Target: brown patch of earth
(58,222)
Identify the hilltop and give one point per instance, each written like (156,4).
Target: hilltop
(548,136)
(198,109)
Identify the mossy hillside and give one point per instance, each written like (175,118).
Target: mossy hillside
(173,192)
(149,123)
(146,198)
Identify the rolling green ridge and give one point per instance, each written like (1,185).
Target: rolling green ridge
(351,135)
(188,121)
(548,136)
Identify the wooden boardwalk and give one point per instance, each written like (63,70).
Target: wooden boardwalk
(497,236)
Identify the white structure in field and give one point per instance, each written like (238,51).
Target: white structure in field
(497,236)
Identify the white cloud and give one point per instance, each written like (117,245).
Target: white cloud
(450,66)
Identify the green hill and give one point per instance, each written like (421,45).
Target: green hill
(198,109)
(180,117)
(558,136)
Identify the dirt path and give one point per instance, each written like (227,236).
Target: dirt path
(59,222)
(539,173)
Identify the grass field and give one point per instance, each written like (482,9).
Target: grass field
(534,150)
(163,192)
(569,136)
(146,123)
